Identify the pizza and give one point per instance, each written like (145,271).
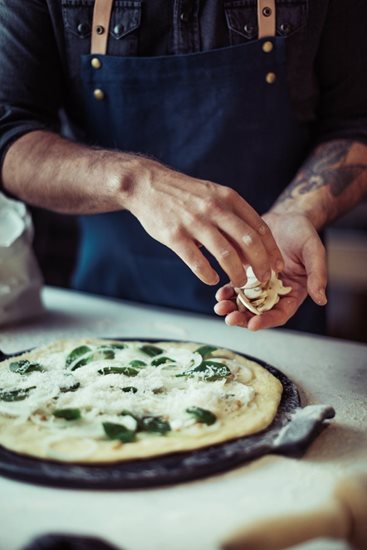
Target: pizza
(102,401)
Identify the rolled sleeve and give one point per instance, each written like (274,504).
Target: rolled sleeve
(30,71)
(341,71)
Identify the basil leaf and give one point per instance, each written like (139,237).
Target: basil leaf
(206,351)
(152,351)
(106,353)
(76,353)
(128,389)
(73,387)
(137,363)
(209,370)
(202,415)
(160,360)
(125,412)
(25,367)
(118,431)
(67,414)
(15,395)
(127,371)
(154,424)
(114,346)
(83,362)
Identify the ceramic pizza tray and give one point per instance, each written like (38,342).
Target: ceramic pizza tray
(291,431)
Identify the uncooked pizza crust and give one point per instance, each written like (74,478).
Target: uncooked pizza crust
(107,385)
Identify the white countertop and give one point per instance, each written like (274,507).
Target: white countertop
(197,515)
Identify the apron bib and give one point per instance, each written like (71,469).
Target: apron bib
(223,115)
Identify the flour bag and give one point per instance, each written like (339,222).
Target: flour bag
(20,276)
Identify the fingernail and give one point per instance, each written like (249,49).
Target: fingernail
(215,279)
(322,300)
(279,265)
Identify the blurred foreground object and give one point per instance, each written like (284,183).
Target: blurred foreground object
(20,277)
(343,517)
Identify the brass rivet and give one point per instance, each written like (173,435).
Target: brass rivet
(99,29)
(267,11)
(271,78)
(267,46)
(96,63)
(98,94)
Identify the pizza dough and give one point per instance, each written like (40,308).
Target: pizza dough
(92,401)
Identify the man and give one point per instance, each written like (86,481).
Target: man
(183,111)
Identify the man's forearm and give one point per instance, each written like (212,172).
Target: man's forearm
(332,181)
(46,170)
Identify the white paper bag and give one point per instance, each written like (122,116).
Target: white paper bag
(20,277)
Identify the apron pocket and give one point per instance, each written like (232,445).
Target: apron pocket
(241,17)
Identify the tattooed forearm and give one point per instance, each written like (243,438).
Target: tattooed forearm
(331,182)
(327,166)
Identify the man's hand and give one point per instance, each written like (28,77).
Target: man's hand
(184,213)
(179,211)
(305,271)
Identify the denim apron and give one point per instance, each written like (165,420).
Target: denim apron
(222,115)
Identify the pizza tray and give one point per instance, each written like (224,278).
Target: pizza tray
(291,431)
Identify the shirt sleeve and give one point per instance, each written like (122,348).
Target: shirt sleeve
(341,71)
(30,71)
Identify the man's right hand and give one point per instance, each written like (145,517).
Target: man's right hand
(185,213)
(179,211)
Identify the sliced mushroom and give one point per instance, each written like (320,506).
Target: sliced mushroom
(259,297)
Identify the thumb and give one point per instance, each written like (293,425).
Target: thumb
(314,259)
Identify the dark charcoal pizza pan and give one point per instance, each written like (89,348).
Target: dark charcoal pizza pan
(292,430)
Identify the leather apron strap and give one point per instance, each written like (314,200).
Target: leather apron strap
(266,16)
(100,26)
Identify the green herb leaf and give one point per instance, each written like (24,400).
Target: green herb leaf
(15,395)
(136,363)
(73,387)
(114,345)
(25,367)
(202,415)
(118,431)
(154,424)
(105,352)
(127,371)
(76,353)
(206,351)
(67,414)
(128,389)
(160,360)
(152,351)
(208,370)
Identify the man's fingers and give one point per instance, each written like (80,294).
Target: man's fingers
(194,259)
(224,307)
(247,213)
(237,319)
(226,292)
(220,247)
(314,259)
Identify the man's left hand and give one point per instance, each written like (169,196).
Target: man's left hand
(305,271)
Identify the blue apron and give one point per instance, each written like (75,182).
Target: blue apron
(223,115)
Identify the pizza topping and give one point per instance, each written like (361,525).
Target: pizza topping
(161,361)
(127,371)
(25,367)
(167,381)
(118,431)
(206,351)
(258,297)
(15,395)
(202,415)
(128,389)
(152,351)
(208,370)
(68,414)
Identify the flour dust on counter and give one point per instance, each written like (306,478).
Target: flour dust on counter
(102,401)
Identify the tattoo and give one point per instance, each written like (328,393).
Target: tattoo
(327,166)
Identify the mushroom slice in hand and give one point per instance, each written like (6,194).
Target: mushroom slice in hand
(259,297)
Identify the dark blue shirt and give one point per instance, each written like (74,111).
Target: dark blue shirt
(41,42)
